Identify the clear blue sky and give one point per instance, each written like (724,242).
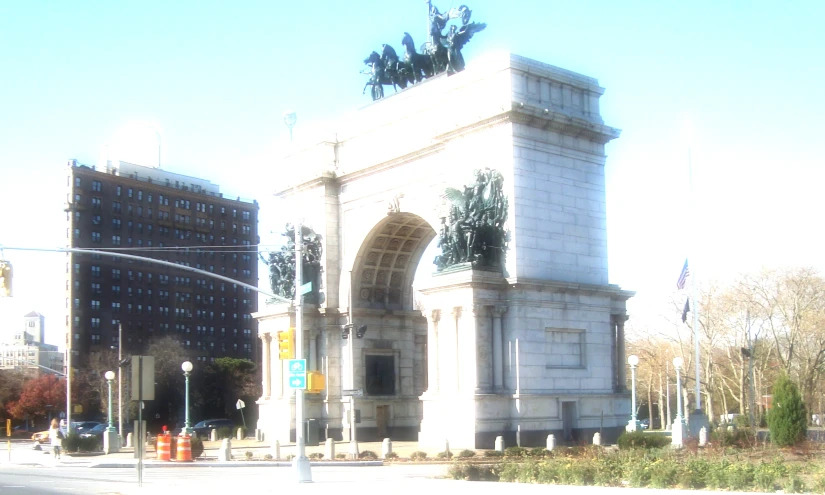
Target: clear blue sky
(215,77)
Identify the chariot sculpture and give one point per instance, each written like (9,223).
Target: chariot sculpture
(442,53)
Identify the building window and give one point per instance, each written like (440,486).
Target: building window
(78,198)
(77,181)
(245,215)
(95,339)
(118,190)
(97,186)
(116,240)
(115,274)
(140,195)
(116,290)
(96,219)
(129,192)
(380,374)
(96,288)
(116,207)
(96,203)
(96,305)
(95,271)
(96,237)
(95,322)
(565,348)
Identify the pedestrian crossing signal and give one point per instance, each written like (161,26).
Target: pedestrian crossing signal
(286,344)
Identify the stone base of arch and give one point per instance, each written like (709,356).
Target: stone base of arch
(520,360)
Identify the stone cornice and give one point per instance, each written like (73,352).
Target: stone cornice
(547,119)
(612,291)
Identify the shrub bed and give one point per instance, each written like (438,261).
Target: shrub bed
(650,468)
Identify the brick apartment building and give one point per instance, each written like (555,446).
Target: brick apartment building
(153,213)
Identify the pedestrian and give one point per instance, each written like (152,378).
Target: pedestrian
(56,437)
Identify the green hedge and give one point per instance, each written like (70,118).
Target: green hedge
(644,469)
(641,440)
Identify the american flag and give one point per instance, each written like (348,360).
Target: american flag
(680,284)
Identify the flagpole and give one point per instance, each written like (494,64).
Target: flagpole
(693,285)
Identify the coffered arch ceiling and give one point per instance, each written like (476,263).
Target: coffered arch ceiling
(385,267)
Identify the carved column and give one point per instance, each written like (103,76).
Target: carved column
(484,349)
(266,372)
(454,349)
(469,342)
(614,353)
(622,375)
(433,318)
(312,362)
(498,352)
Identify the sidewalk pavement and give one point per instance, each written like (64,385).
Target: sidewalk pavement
(26,456)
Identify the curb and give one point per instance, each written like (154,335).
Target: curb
(195,464)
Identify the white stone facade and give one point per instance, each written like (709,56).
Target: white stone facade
(537,347)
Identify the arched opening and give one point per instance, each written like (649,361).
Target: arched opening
(385,267)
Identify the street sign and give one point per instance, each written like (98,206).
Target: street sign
(297,373)
(239,404)
(297,365)
(306,288)
(358,392)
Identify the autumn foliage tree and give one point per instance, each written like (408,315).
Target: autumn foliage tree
(40,396)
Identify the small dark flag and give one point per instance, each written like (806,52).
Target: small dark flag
(685,311)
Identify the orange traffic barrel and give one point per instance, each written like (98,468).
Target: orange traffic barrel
(184,448)
(164,447)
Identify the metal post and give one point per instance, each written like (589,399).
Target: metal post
(301,463)
(633,395)
(695,307)
(120,382)
(69,385)
(111,420)
(187,369)
(679,418)
(141,441)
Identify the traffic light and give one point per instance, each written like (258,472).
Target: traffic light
(286,344)
(5,279)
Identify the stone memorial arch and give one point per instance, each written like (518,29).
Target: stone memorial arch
(530,343)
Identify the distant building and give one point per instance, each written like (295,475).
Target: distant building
(28,351)
(153,213)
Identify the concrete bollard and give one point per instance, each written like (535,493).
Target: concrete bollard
(551,442)
(386,448)
(703,437)
(499,444)
(447,446)
(597,439)
(129,440)
(276,450)
(518,436)
(259,435)
(329,451)
(239,435)
(225,452)
(213,436)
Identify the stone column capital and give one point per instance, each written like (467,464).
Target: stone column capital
(265,337)
(498,310)
(457,311)
(432,315)
(474,310)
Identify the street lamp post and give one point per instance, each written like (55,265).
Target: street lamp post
(633,424)
(300,464)
(110,375)
(350,333)
(187,369)
(111,442)
(679,431)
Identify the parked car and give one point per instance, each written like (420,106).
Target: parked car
(41,437)
(82,426)
(645,424)
(96,431)
(204,427)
